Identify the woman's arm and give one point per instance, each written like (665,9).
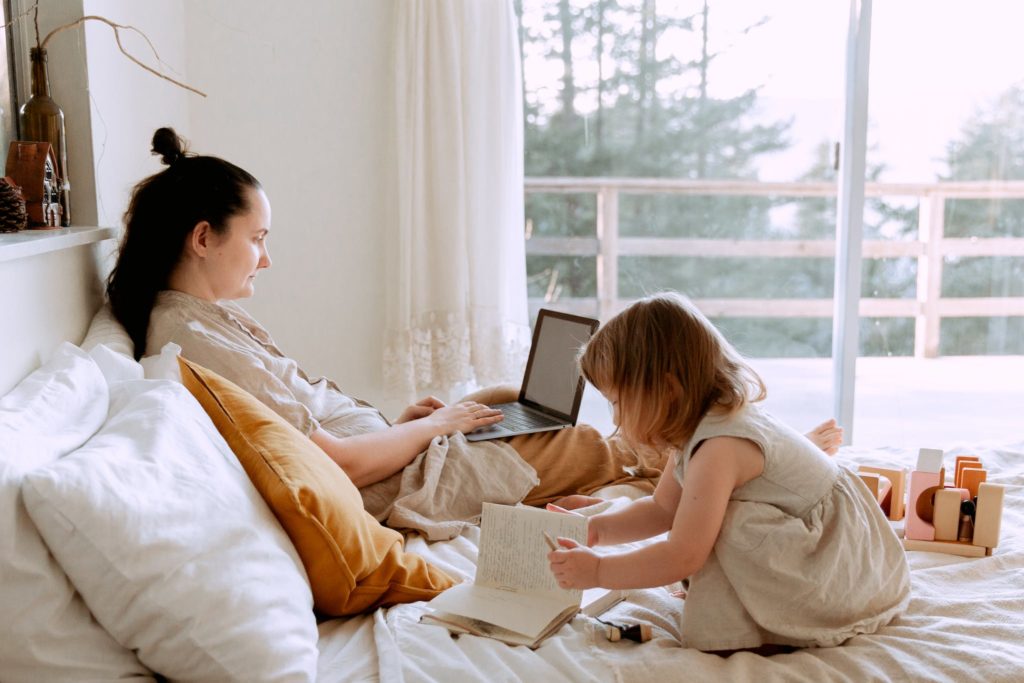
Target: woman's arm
(721,465)
(374,456)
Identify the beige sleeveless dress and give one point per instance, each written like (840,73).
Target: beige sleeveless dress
(805,556)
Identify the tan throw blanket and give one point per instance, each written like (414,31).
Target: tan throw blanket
(443,490)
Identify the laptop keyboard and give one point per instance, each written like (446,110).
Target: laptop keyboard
(518,418)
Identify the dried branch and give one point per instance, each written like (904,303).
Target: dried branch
(117,37)
(14,20)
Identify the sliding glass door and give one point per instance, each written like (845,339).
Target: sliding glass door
(734,150)
(942,345)
(690,146)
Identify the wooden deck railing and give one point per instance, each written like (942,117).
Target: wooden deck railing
(930,249)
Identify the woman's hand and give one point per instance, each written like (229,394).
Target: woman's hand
(573,565)
(421,408)
(464,417)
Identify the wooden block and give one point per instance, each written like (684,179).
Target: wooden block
(946,517)
(948,547)
(970,477)
(988,515)
(872,481)
(960,460)
(878,485)
(929,460)
(919,505)
(894,503)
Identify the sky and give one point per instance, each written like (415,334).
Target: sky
(933,63)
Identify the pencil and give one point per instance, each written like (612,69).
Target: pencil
(550,541)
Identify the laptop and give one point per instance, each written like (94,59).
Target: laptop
(552,389)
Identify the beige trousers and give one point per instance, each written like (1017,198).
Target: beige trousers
(577,459)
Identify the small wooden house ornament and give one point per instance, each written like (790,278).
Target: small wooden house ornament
(33,167)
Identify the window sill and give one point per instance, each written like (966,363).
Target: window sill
(16,245)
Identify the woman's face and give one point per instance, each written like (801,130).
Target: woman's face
(236,256)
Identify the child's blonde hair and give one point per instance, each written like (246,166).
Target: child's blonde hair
(669,366)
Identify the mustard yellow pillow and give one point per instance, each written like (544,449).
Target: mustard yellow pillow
(354,563)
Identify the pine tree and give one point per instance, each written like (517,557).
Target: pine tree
(990,147)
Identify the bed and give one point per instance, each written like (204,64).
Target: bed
(116,565)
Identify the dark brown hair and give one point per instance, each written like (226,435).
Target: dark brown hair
(163,210)
(669,366)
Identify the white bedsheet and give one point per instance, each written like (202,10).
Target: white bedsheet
(965,622)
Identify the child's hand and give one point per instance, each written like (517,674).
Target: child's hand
(593,537)
(573,565)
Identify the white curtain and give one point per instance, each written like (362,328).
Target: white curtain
(457,312)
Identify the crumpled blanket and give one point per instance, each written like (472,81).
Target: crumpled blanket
(443,490)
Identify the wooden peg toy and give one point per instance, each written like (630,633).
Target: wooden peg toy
(960,520)
(946,513)
(889,487)
(988,516)
(961,461)
(639,633)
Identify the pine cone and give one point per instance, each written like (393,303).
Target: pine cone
(13,216)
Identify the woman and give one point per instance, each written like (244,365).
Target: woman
(194,242)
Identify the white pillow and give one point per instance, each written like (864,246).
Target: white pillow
(105,329)
(171,546)
(163,365)
(46,631)
(115,366)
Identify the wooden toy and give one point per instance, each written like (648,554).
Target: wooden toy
(989,516)
(889,493)
(970,478)
(876,484)
(924,481)
(929,459)
(961,460)
(954,548)
(946,517)
(963,519)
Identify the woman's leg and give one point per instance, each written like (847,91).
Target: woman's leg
(580,460)
(577,459)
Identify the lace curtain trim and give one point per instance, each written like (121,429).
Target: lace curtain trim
(442,350)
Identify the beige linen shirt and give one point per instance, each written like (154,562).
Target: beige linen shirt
(439,493)
(221,336)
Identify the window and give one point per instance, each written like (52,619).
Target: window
(691,145)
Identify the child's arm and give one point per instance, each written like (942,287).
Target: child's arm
(719,466)
(643,518)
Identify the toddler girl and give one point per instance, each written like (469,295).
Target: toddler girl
(781,545)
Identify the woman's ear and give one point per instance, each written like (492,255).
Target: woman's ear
(198,241)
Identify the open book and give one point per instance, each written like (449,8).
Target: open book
(514,597)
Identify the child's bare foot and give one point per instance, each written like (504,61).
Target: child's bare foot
(827,436)
(576,501)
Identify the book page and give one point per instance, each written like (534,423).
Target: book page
(513,552)
(525,613)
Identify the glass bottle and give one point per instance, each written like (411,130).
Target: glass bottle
(43,121)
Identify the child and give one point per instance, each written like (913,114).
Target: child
(781,545)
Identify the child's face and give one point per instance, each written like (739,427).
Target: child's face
(613,404)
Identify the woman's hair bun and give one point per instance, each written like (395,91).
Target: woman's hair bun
(167,145)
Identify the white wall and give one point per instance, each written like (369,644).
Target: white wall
(128,103)
(300,95)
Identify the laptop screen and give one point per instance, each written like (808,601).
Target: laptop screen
(553,374)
